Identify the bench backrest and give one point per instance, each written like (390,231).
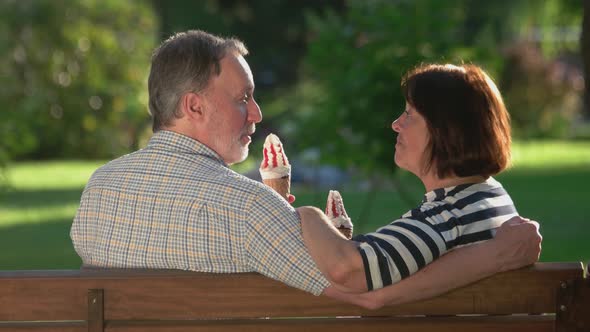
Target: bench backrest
(153,300)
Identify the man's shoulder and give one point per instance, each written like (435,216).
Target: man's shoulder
(113,165)
(261,196)
(258,189)
(190,176)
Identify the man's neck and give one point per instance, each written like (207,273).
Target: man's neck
(179,129)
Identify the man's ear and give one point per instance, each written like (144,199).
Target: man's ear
(192,106)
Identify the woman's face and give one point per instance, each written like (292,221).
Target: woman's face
(412,140)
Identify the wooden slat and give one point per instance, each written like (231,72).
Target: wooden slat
(47,299)
(573,306)
(95,310)
(62,295)
(535,293)
(77,326)
(528,290)
(406,324)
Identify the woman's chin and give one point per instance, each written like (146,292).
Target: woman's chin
(398,162)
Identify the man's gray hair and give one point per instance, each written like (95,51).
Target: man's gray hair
(184,63)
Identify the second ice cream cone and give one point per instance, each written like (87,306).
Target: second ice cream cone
(337,214)
(347,232)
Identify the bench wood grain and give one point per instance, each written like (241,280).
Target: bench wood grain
(165,300)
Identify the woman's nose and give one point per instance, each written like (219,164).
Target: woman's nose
(395,125)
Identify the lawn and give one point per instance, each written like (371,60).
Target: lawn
(550,182)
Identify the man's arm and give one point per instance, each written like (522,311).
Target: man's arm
(517,244)
(272,244)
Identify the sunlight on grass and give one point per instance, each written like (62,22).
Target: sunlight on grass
(51,174)
(550,154)
(18,216)
(39,192)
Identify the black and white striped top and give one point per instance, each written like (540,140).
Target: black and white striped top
(446,219)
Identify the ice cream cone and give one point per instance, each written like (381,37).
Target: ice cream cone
(347,232)
(275,169)
(281,185)
(337,214)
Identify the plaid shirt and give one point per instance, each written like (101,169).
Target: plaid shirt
(176,205)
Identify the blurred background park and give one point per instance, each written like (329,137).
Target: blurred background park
(327,73)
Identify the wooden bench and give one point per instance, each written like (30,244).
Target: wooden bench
(543,297)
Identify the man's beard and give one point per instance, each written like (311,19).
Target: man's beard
(244,148)
(234,151)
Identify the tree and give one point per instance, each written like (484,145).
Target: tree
(73,76)
(273,30)
(585,48)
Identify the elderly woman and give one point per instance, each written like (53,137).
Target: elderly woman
(454,135)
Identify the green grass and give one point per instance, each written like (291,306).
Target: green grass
(36,213)
(550,182)
(548,155)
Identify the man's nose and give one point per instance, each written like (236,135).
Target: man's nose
(254,113)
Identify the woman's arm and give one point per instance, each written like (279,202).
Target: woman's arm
(517,244)
(336,257)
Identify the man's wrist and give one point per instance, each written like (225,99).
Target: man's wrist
(497,259)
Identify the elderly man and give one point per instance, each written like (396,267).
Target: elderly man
(176,205)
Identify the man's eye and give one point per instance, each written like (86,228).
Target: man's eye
(246,98)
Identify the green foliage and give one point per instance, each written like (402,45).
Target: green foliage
(354,66)
(542,79)
(543,96)
(73,76)
(273,30)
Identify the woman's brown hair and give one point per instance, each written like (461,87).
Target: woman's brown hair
(468,123)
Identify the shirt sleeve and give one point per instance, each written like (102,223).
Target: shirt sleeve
(399,249)
(423,234)
(274,244)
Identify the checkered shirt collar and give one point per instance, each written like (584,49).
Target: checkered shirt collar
(170,140)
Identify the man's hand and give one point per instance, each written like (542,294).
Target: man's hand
(519,242)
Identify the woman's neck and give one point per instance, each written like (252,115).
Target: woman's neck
(431,181)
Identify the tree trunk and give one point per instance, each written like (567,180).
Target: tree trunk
(162,12)
(585,43)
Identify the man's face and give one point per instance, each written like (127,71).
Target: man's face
(232,108)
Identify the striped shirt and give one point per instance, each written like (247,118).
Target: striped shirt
(446,219)
(176,205)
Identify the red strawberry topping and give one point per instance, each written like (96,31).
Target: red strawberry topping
(275,163)
(265,161)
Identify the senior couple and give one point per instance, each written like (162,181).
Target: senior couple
(175,204)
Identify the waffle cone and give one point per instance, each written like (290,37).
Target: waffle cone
(347,232)
(281,185)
